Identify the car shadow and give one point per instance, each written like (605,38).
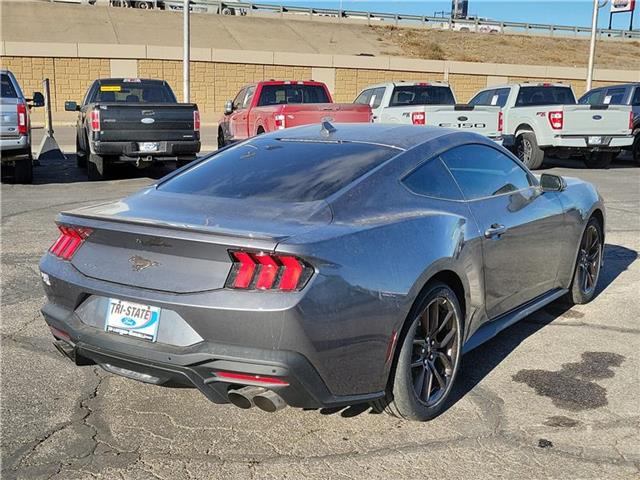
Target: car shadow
(478,363)
(65,170)
(623,160)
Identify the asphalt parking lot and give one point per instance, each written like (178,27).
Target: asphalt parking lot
(555,396)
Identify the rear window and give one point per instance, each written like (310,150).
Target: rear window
(280,170)
(421,95)
(292,94)
(534,96)
(8,90)
(133,92)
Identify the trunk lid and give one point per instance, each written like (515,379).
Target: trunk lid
(146,121)
(180,243)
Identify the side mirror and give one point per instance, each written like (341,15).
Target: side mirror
(228,107)
(71,106)
(552,183)
(37,100)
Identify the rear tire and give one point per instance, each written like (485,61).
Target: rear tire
(588,263)
(260,131)
(23,170)
(429,357)
(528,151)
(81,155)
(97,167)
(599,159)
(221,141)
(635,150)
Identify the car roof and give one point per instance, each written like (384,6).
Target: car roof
(401,137)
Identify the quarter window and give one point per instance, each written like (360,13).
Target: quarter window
(433,180)
(482,171)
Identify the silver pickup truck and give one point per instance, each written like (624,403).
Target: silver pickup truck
(429,103)
(545,118)
(15,127)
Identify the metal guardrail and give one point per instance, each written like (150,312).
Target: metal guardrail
(477,25)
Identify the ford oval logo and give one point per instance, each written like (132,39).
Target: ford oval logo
(129,322)
(147,120)
(597,117)
(463,118)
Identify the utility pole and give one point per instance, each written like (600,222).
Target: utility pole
(186,52)
(592,47)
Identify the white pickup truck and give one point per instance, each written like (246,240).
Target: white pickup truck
(429,103)
(541,118)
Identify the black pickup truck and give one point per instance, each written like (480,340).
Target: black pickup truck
(133,120)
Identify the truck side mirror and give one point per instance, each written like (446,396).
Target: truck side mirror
(228,107)
(37,100)
(71,106)
(552,183)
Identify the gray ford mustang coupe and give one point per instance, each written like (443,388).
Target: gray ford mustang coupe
(321,266)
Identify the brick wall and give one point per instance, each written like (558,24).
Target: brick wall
(212,83)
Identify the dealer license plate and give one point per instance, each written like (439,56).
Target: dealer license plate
(595,140)
(148,146)
(133,319)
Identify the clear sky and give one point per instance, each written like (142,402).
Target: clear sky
(565,12)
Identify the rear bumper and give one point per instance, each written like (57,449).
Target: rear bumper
(129,151)
(196,365)
(608,142)
(14,146)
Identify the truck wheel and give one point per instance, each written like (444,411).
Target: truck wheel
(227,11)
(260,131)
(528,151)
(97,167)
(23,170)
(635,150)
(81,155)
(599,159)
(221,141)
(143,5)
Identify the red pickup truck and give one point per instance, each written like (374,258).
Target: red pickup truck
(274,105)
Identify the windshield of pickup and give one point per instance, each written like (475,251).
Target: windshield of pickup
(290,94)
(541,95)
(421,95)
(137,91)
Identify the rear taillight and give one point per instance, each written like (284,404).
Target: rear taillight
(94,120)
(556,119)
(280,122)
(69,241)
(418,118)
(23,119)
(500,122)
(263,271)
(196,121)
(631,120)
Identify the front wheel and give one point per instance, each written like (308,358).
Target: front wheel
(429,357)
(528,151)
(598,159)
(587,269)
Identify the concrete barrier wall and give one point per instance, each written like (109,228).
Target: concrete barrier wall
(217,75)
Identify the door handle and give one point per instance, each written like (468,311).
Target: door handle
(495,231)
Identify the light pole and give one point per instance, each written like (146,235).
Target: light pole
(186,53)
(597,4)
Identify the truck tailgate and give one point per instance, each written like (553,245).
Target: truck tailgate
(596,120)
(146,121)
(472,118)
(305,114)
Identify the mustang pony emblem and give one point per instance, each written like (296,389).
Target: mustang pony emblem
(139,263)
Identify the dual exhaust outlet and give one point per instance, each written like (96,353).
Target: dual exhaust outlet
(247,397)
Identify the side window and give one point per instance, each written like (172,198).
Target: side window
(364,97)
(249,96)
(482,171)
(635,101)
(592,98)
(238,101)
(500,97)
(482,98)
(433,180)
(376,97)
(615,96)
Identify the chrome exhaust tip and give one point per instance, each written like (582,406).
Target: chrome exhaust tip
(244,397)
(269,401)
